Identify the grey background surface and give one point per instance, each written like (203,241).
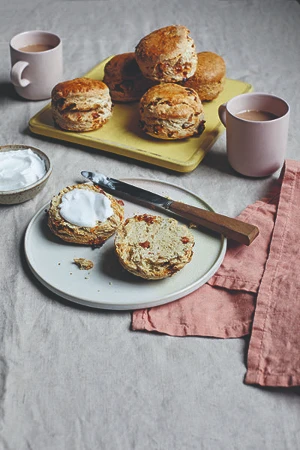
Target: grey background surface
(73,378)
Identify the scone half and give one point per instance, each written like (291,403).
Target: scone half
(87,235)
(81,104)
(153,247)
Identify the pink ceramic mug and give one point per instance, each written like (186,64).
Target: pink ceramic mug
(37,63)
(255,148)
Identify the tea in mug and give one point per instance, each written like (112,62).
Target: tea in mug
(254,115)
(35,48)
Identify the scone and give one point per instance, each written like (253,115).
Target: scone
(124,78)
(167,54)
(153,247)
(209,78)
(171,111)
(84,214)
(81,104)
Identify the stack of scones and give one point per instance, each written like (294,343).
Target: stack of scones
(164,73)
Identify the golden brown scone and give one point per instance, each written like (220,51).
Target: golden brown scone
(167,54)
(153,247)
(81,104)
(209,78)
(124,78)
(69,232)
(171,111)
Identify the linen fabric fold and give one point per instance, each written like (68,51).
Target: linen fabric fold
(256,290)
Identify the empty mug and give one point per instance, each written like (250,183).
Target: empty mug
(36,63)
(256,133)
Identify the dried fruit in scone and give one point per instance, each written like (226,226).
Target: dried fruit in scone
(167,54)
(170,111)
(209,79)
(81,104)
(124,78)
(84,214)
(153,247)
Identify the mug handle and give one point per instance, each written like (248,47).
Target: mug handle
(222,113)
(16,74)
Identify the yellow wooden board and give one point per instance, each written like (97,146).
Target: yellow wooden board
(122,135)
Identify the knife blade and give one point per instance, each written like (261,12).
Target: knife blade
(235,229)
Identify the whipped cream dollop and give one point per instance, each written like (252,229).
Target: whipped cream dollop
(19,169)
(84,208)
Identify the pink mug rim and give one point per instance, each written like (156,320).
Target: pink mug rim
(257,94)
(48,33)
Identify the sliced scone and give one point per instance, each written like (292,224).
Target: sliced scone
(84,214)
(153,247)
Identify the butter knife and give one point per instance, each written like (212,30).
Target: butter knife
(235,229)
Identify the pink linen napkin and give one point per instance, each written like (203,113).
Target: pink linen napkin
(256,290)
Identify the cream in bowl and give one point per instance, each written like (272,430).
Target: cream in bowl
(24,171)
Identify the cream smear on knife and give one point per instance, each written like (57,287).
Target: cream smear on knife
(85,208)
(19,169)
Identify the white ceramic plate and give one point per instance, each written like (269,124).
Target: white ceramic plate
(108,285)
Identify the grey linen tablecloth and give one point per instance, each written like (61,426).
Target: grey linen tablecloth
(78,378)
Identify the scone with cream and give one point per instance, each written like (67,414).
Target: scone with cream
(170,111)
(167,54)
(153,247)
(124,78)
(81,104)
(209,78)
(84,214)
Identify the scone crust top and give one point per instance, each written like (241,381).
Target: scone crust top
(167,54)
(168,41)
(78,86)
(84,235)
(171,101)
(153,247)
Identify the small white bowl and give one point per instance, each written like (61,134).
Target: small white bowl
(27,193)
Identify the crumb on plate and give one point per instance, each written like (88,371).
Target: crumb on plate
(83,264)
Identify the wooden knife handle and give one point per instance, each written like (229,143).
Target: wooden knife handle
(242,232)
